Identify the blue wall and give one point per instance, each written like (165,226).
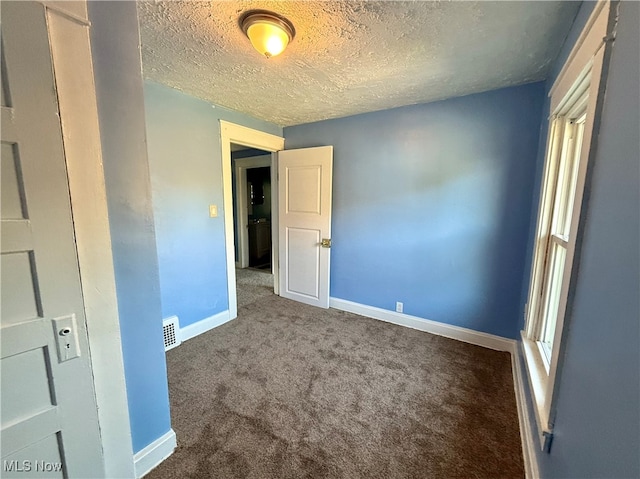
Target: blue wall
(597,427)
(431,205)
(116,56)
(186,177)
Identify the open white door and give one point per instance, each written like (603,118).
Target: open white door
(49,417)
(304,191)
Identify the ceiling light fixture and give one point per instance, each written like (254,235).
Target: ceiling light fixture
(269,32)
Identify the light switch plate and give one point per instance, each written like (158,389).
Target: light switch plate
(213,211)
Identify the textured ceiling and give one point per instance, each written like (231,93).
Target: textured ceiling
(350,57)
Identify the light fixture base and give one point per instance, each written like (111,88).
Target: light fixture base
(268,32)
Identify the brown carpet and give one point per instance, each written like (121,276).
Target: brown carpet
(291,391)
(253,285)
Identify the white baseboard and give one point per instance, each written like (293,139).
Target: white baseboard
(156,452)
(526,432)
(486,340)
(204,325)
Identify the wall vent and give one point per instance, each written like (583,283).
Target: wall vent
(171,332)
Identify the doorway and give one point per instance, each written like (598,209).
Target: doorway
(235,137)
(307,193)
(258,186)
(252,208)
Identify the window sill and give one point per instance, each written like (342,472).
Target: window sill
(538,382)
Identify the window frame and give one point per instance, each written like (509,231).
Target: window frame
(576,92)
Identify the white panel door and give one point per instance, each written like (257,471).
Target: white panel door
(48,411)
(304,192)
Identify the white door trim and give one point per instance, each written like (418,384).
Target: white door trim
(73,71)
(241,135)
(242,233)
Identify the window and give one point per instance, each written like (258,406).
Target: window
(574,104)
(555,232)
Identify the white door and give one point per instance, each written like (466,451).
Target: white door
(48,411)
(304,191)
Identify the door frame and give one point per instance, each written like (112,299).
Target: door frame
(73,72)
(242,135)
(242,217)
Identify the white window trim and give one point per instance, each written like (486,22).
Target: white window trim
(584,65)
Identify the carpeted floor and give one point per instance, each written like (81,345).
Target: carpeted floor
(291,391)
(252,285)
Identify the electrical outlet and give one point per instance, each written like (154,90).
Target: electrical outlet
(399,307)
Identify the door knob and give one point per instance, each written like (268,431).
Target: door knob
(326,243)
